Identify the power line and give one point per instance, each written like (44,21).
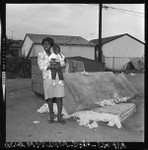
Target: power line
(107,7)
(71,17)
(125,10)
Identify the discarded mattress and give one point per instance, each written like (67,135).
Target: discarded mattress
(113,115)
(87,91)
(123,110)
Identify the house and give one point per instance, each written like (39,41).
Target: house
(14,49)
(70,45)
(118,50)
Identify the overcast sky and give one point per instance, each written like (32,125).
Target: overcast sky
(74,19)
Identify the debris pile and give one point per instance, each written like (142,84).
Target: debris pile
(135,64)
(96,97)
(91,118)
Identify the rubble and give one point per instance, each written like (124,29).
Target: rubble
(104,90)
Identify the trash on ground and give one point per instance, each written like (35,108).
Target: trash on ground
(132,74)
(84,117)
(43,109)
(92,125)
(36,122)
(84,73)
(15,93)
(113,115)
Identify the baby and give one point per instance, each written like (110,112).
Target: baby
(56,59)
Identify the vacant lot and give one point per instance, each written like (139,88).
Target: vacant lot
(22,104)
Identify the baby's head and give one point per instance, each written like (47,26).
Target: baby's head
(56,49)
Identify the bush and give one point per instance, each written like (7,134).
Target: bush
(18,67)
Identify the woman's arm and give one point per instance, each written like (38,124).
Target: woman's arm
(41,62)
(54,65)
(50,67)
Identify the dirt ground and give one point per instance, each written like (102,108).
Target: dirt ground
(22,104)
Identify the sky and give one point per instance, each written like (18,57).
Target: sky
(74,19)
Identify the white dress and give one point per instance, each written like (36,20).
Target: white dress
(50,91)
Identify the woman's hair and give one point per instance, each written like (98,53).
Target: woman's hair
(50,40)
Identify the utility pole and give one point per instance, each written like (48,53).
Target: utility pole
(100,33)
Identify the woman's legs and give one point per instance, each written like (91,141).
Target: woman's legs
(50,105)
(59,105)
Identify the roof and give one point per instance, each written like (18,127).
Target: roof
(60,39)
(111,38)
(15,45)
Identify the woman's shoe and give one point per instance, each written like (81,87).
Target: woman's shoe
(62,122)
(50,121)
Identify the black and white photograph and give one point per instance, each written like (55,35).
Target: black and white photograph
(75,72)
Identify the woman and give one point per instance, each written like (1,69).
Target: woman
(50,91)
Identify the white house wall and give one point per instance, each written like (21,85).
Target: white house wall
(26,46)
(116,63)
(33,51)
(36,49)
(68,51)
(119,63)
(83,51)
(122,49)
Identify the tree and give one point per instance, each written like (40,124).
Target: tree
(8,43)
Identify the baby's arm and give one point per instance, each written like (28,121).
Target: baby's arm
(52,58)
(62,62)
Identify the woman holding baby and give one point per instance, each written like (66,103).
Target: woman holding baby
(50,62)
